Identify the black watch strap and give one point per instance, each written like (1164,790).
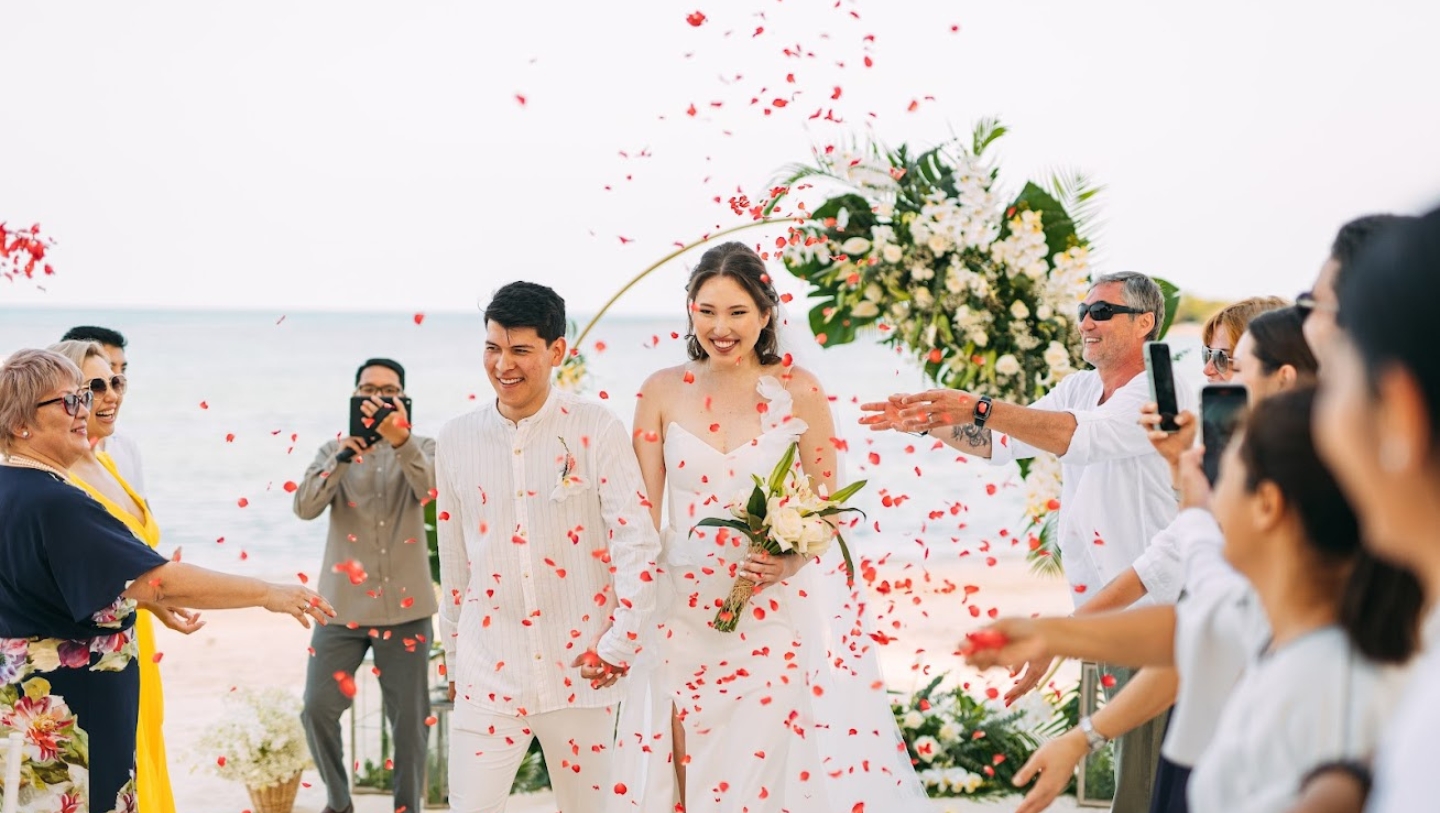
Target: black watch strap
(982,411)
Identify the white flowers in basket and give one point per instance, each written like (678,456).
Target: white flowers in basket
(260,742)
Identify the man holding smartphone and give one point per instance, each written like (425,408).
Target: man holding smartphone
(377,574)
(1116,491)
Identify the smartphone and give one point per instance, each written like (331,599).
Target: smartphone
(363,427)
(1221,407)
(1162,384)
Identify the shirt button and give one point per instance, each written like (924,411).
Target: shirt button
(520,493)
(539,657)
(382,523)
(382,550)
(517,451)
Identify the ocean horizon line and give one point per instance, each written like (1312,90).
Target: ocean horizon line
(180,310)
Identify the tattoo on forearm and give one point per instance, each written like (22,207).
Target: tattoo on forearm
(977,437)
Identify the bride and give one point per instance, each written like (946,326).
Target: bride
(788,712)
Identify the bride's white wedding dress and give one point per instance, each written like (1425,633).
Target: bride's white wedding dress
(786,713)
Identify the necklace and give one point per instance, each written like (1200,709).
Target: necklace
(28,463)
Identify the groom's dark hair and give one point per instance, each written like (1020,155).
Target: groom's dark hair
(528,304)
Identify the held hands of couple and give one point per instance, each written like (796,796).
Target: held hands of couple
(601,673)
(1181,452)
(920,412)
(301,602)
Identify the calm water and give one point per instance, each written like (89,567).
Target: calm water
(281,386)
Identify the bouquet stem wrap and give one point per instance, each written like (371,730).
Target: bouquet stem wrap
(729,615)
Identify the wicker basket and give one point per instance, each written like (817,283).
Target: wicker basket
(276,798)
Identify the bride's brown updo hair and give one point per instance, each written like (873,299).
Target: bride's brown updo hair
(740,263)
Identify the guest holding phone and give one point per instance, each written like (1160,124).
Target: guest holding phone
(376,571)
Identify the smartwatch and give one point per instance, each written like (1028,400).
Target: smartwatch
(982,411)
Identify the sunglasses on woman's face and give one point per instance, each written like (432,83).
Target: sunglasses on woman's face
(1220,356)
(1103,311)
(99,386)
(73,401)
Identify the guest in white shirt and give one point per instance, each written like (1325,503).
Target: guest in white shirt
(547,555)
(121,448)
(1320,686)
(1377,425)
(1116,493)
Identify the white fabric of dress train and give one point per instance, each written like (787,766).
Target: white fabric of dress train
(787,713)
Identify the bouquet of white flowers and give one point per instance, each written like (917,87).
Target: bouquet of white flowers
(783,516)
(261,741)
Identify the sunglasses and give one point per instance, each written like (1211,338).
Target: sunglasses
(1104,311)
(1217,355)
(73,401)
(100,386)
(1305,304)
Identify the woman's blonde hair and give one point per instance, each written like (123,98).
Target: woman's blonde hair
(80,351)
(25,378)
(1234,318)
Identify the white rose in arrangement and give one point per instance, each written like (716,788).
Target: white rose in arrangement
(1019,310)
(855,246)
(1057,357)
(815,536)
(874,292)
(950,732)
(923,299)
(865,310)
(927,748)
(885,210)
(922,273)
(913,719)
(1007,365)
(785,523)
(979,337)
(938,243)
(1043,313)
(892,253)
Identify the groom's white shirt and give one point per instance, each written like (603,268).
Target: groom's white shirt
(533,571)
(1116,493)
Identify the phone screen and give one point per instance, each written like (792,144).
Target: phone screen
(1162,384)
(1221,406)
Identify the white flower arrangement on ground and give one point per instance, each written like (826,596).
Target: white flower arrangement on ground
(260,742)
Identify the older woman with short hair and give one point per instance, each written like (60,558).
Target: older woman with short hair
(71,576)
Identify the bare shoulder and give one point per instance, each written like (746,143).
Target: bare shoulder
(663,383)
(803,384)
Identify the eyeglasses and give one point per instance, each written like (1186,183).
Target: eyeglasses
(100,386)
(1104,311)
(1218,355)
(1305,303)
(73,401)
(368,390)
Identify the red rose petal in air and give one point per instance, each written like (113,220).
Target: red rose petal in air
(158,655)
(1108,681)
(620,789)
(689,377)
(230,438)
(407,602)
(220,761)
(345,684)
(431,720)
(303,578)
(419,317)
(520,97)
(242,502)
(696,19)
(290,486)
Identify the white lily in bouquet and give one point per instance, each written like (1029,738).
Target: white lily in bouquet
(783,516)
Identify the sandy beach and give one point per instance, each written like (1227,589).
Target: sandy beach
(251,648)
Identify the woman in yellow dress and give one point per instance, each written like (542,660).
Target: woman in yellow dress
(96,474)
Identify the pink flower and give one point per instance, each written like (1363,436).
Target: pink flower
(45,722)
(74,654)
(72,803)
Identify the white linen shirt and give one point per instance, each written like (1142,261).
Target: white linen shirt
(1403,762)
(534,571)
(1115,493)
(1219,626)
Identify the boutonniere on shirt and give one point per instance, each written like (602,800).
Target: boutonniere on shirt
(570,482)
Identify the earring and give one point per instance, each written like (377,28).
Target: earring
(25,434)
(1394,457)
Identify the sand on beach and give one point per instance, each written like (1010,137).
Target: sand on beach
(252,648)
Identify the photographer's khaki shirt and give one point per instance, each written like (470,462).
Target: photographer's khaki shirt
(377,530)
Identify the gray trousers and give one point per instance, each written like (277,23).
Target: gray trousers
(1137,755)
(403,687)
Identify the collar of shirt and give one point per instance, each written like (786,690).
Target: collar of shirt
(551,405)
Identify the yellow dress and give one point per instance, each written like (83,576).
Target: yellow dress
(152,774)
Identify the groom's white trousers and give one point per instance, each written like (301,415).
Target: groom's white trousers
(486,750)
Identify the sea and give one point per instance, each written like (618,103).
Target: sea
(228,406)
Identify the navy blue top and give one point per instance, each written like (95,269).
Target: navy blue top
(63,558)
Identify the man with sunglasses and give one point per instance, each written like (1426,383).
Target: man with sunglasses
(1116,490)
(121,448)
(376,572)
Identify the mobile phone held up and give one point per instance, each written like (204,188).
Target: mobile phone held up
(1221,407)
(1161,373)
(365,428)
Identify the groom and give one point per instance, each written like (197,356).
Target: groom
(547,551)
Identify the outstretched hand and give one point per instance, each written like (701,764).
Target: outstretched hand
(1055,762)
(882,415)
(1015,643)
(301,602)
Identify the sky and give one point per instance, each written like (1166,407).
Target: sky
(359,156)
